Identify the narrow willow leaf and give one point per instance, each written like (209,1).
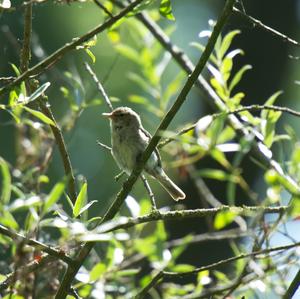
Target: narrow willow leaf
(91,54)
(238,76)
(54,196)
(129,53)
(87,206)
(36,94)
(40,116)
(80,200)
(5,190)
(270,101)
(16,70)
(226,42)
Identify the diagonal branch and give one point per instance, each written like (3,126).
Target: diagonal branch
(266,28)
(36,244)
(128,184)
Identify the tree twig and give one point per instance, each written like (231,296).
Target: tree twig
(266,28)
(236,111)
(165,274)
(99,86)
(58,136)
(149,190)
(184,214)
(99,4)
(36,244)
(59,53)
(25,270)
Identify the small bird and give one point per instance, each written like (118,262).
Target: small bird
(129,140)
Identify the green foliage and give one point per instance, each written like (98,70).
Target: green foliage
(37,203)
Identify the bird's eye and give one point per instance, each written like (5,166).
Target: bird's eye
(122,114)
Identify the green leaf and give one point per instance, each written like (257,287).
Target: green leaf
(182,268)
(165,9)
(226,68)
(97,271)
(34,95)
(87,206)
(129,53)
(80,200)
(40,116)
(270,101)
(271,118)
(226,42)
(223,219)
(54,196)
(215,174)
(16,70)
(8,220)
(238,76)
(91,54)
(5,191)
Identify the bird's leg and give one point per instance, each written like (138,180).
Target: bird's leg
(151,195)
(118,176)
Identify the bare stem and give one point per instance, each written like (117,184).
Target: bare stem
(99,86)
(36,244)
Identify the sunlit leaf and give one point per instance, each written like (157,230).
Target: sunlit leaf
(216,174)
(165,9)
(91,55)
(224,218)
(80,200)
(97,271)
(40,116)
(238,76)
(8,220)
(182,268)
(34,95)
(5,191)
(129,53)
(226,42)
(54,196)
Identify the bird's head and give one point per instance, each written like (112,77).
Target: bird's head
(124,117)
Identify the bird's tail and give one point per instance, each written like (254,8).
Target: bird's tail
(170,186)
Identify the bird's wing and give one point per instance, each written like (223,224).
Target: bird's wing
(143,130)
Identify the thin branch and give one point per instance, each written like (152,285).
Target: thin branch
(36,244)
(58,136)
(153,282)
(99,86)
(125,223)
(58,54)
(230,260)
(236,111)
(149,190)
(165,274)
(25,270)
(104,145)
(212,236)
(26,51)
(99,4)
(266,28)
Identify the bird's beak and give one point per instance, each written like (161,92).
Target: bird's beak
(108,115)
